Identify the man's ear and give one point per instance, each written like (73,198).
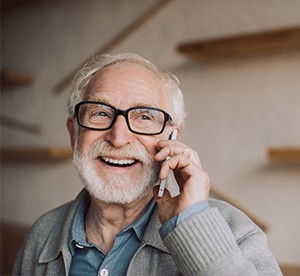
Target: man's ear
(71,130)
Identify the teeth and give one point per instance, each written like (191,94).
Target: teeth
(118,162)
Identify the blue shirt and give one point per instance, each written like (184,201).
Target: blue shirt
(88,259)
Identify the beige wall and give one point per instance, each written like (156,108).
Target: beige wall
(237,109)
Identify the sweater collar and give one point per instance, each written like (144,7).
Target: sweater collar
(78,235)
(152,236)
(59,238)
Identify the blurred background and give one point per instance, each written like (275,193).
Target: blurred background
(239,66)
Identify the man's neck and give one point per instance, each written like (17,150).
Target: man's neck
(105,220)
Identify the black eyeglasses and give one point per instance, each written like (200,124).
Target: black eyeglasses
(140,120)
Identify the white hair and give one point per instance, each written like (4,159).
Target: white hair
(99,62)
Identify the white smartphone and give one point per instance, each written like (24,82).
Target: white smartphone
(162,184)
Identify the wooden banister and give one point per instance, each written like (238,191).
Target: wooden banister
(243,45)
(284,154)
(35,154)
(13,78)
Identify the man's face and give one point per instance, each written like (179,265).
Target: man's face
(117,165)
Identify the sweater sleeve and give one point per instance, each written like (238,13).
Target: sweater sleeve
(183,216)
(206,245)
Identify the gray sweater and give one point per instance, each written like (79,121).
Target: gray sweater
(218,241)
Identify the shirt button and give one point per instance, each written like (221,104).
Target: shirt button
(79,246)
(104,272)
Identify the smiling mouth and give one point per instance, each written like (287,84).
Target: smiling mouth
(118,162)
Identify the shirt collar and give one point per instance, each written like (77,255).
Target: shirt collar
(140,225)
(78,235)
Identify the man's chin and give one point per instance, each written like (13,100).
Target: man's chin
(116,194)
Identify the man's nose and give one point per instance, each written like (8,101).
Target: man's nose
(119,134)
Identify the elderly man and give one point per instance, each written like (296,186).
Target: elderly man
(122,112)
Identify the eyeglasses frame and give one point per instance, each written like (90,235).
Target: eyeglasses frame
(167,117)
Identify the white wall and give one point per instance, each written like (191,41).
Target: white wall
(237,109)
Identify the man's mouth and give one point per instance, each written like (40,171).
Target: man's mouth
(118,162)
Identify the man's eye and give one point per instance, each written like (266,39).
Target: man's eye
(145,117)
(101,114)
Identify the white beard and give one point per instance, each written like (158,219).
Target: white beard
(116,188)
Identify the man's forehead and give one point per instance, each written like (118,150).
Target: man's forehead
(123,76)
(125,71)
(102,98)
(126,85)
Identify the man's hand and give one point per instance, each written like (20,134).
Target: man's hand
(192,179)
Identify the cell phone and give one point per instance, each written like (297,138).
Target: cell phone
(162,184)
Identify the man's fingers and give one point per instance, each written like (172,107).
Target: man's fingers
(173,148)
(178,162)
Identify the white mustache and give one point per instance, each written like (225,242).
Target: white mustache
(130,151)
